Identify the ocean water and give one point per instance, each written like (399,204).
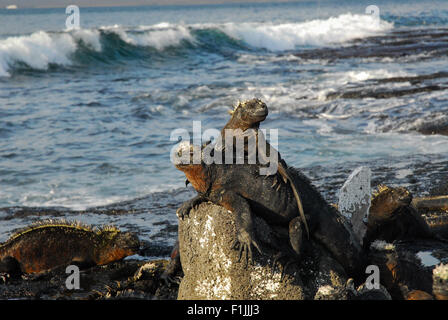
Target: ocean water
(86,115)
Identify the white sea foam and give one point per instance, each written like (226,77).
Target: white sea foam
(338,79)
(91,38)
(159,36)
(79,200)
(288,36)
(40,49)
(363,75)
(275,37)
(37,50)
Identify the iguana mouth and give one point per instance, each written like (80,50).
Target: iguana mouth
(262,112)
(261,115)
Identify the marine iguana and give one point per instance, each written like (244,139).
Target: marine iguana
(245,121)
(49,244)
(392,216)
(242,190)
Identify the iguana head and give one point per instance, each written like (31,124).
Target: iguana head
(116,245)
(189,161)
(386,200)
(247,114)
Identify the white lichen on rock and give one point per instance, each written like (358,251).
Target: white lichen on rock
(208,234)
(381,245)
(217,288)
(266,285)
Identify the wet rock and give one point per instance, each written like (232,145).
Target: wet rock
(408,265)
(212,269)
(435,212)
(128,279)
(439,126)
(441,188)
(431,203)
(148,279)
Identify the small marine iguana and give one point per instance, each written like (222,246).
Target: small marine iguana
(245,122)
(49,244)
(242,190)
(392,216)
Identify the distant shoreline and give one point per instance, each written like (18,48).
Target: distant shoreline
(162,4)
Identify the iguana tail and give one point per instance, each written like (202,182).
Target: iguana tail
(284,174)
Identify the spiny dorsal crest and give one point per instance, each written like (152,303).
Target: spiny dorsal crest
(379,189)
(236,106)
(48,223)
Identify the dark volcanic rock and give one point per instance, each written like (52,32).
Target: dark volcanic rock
(128,279)
(409,265)
(434,127)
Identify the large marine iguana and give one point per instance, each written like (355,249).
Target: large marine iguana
(244,123)
(49,244)
(242,190)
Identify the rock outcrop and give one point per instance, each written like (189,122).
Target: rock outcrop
(409,266)
(213,270)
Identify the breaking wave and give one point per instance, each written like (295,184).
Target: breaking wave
(43,49)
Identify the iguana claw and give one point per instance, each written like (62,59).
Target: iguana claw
(244,243)
(185,208)
(183,211)
(274,183)
(278,182)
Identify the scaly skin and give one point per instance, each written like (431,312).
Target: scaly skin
(248,115)
(47,245)
(227,186)
(393,217)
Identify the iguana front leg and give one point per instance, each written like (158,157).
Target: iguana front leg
(245,237)
(184,209)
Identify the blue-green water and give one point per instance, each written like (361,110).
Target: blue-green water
(86,115)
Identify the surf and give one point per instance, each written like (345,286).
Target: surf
(43,49)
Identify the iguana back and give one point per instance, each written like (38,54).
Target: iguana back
(50,244)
